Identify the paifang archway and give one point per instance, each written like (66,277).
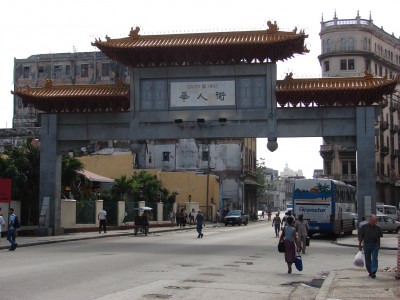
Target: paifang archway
(205,85)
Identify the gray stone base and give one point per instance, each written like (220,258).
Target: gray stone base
(45,231)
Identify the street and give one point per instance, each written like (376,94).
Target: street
(228,263)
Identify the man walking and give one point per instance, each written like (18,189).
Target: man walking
(102,217)
(199,220)
(370,234)
(11,232)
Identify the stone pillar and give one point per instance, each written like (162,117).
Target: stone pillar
(160,207)
(121,213)
(50,176)
(366,174)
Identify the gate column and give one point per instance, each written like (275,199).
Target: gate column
(366,175)
(50,178)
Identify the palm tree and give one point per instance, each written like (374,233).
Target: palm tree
(146,186)
(121,187)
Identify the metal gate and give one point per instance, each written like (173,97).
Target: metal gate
(112,212)
(85,212)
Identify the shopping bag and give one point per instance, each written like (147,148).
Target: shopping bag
(298,262)
(359,260)
(281,246)
(307,241)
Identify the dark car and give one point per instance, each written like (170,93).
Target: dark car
(236,217)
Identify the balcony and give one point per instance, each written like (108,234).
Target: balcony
(394,128)
(384,151)
(383,125)
(383,103)
(348,177)
(394,106)
(327,151)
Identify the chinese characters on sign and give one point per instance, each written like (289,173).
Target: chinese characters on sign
(202,93)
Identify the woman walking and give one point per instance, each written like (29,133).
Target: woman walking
(289,237)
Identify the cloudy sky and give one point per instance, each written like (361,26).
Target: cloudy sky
(30,27)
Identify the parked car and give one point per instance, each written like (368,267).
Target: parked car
(388,210)
(387,223)
(236,217)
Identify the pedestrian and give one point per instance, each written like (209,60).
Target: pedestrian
(2,223)
(191,217)
(102,217)
(172,217)
(269,213)
(370,239)
(276,222)
(183,216)
(178,218)
(200,221)
(289,237)
(301,226)
(218,217)
(11,232)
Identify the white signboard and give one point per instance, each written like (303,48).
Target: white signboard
(202,93)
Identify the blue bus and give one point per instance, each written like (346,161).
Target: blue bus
(328,205)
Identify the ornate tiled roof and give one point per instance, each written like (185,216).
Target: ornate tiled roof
(333,91)
(204,48)
(316,92)
(77,98)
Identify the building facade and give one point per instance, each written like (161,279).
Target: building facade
(356,48)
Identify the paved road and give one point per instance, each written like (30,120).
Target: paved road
(228,263)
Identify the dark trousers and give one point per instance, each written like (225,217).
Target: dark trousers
(11,237)
(371,256)
(103,225)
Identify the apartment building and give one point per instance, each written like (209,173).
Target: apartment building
(359,48)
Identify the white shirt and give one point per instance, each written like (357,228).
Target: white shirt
(1,222)
(102,215)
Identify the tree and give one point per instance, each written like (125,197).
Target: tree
(71,177)
(121,187)
(22,164)
(262,186)
(146,187)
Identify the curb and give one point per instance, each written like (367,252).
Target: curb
(324,289)
(74,239)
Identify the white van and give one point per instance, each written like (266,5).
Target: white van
(388,210)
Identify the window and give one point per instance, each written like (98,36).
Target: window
(345,168)
(343,44)
(40,71)
(364,44)
(326,66)
(350,64)
(26,72)
(347,64)
(204,156)
(105,69)
(328,45)
(350,46)
(68,70)
(368,64)
(165,156)
(84,70)
(343,64)
(57,72)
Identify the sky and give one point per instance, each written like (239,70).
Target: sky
(29,27)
